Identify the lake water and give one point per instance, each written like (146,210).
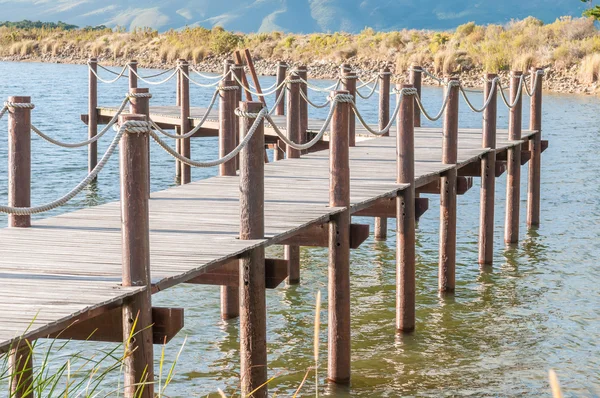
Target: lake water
(498,336)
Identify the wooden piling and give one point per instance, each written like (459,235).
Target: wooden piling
(293,127)
(137,310)
(281,75)
(19,160)
(380,228)
(513,162)
(230,302)
(303,75)
(338,364)
(253,329)
(447,262)
(488,174)
(405,215)
(20,370)
(141,106)
(535,147)
(184,92)
(133,79)
(178,128)
(238,71)
(415,78)
(349,84)
(92,112)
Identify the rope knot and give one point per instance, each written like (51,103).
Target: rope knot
(250,115)
(136,126)
(342,98)
(228,88)
(139,95)
(20,105)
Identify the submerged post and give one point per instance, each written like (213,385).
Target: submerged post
(135,225)
(92,113)
(535,147)
(447,263)
(488,173)
(416,77)
(349,84)
(184,92)
(133,79)
(253,323)
(384,118)
(405,214)
(338,364)
(230,301)
(513,161)
(19,158)
(293,127)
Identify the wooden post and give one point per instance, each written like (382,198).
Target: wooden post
(227,68)
(513,163)
(253,312)
(384,118)
(349,84)
(138,362)
(416,77)
(488,174)
(238,70)
(303,75)
(281,74)
(447,264)
(293,126)
(338,364)
(184,91)
(178,128)
(92,113)
(19,160)
(405,215)
(230,302)
(20,369)
(133,79)
(141,106)
(535,147)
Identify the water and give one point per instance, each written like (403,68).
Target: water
(498,336)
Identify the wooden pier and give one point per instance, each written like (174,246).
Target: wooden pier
(95,269)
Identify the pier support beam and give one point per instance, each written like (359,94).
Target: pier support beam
(278,154)
(293,127)
(513,162)
(488,174)
(303,75)
(230,301)
(416,78)
(19,159)
(133,79)
(137,310)
(338,364)
(384,118)
(349,84)
(140,105)
(405,216)
(253,312)
(447,262)
(184,94)
(92,113)
(535,147)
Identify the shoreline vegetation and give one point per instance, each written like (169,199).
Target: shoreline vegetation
(569,49)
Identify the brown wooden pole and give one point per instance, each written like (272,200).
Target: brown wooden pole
(141,106)
(20,368)
(19,160)
(447,264)
(178,128)
(416,77)
(338,364)
(238,70)
(281,74)
(254,76)
(303,75)
(184,90)
(349,84)
(405,215)
(253,312)
(227,68)
(513,163)
(92,113)
(133,79)
(239,61)
(535,147)
(293,127)
(384,118)
(230,301)
(488,174)
(135,226)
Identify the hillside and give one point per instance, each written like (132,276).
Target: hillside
(297,16)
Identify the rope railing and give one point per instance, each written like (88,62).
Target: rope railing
(119,75)
(205,85)
(264,94)
(314,105)
(494,82)
(401,93)
(129,127)
(145,78)
(426,73)
(279,99)
(97,136)
(518,94)
(373,90)
(444,104)
(207,77)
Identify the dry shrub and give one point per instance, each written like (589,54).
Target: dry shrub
(523,62)
(590,68)
(198,54)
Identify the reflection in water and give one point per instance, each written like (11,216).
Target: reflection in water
(506,325)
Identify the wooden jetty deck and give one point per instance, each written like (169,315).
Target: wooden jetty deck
(63,275)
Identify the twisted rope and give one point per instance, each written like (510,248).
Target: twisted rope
(328,89)
(371,93)
(21,105)
(3,111)
(93,139)
(258,119)
(438,79)
(487,101)
(195,82)
(144,78)
(537,75)
(265,94)
(119,75)
(518,95)
(401,93)
(314,105)
(207,77)
(279,99)
(130,127)
(451,83)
